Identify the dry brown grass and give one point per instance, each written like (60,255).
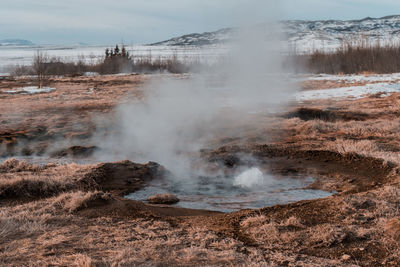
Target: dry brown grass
(377,135)
(357,229)
(393,229)
(20,179)
(54,233)
(366,148)
(369,216)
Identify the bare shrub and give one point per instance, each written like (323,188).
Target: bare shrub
(353,56)
(114,61)
(40,67)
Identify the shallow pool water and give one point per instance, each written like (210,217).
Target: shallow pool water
(227,194)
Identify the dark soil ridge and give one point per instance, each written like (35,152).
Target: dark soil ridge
(123,177)
(308,114)
(118,178)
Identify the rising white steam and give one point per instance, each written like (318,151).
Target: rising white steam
(178,115)
(249,178)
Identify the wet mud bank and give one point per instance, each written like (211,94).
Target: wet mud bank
(347,173)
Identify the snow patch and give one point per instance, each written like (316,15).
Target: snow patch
(91,74)
(30,90)
(356,78)
(349,92)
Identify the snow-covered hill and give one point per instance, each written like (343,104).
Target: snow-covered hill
(304,36)
(200,39)
(15,42)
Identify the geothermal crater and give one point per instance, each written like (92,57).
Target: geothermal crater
(252,188)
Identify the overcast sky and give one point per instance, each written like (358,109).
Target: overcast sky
(145,21)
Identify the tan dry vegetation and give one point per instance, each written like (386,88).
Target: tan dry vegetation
(375,134)
(73,215)
(21,180)
(43,232)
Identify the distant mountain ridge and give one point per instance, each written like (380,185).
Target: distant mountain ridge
(15,42)
(306,35)
(199,39)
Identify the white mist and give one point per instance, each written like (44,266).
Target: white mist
(179,115)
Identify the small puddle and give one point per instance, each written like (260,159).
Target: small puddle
(251,189)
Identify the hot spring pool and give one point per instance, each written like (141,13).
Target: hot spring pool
(250,189)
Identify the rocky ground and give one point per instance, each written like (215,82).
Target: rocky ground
(70,214)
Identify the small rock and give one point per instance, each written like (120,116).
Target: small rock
(163,199)
(346,257)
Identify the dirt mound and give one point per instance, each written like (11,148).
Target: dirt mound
(127,208)
(24,181)
(121,177)
(76,152)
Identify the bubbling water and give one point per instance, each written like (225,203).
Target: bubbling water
(249,178)
(250,189)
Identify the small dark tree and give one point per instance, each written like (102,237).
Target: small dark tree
(40,67)
(116,50)
(124,53)
(116,60)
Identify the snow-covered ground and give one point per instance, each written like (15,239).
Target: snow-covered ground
(30,90)
(349,92)
(356,78)
(385,84)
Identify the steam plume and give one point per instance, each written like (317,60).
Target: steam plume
(179,115)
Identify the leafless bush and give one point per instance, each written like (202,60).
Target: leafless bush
(20,70)
(140,64)
(355,56)
(40,67)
